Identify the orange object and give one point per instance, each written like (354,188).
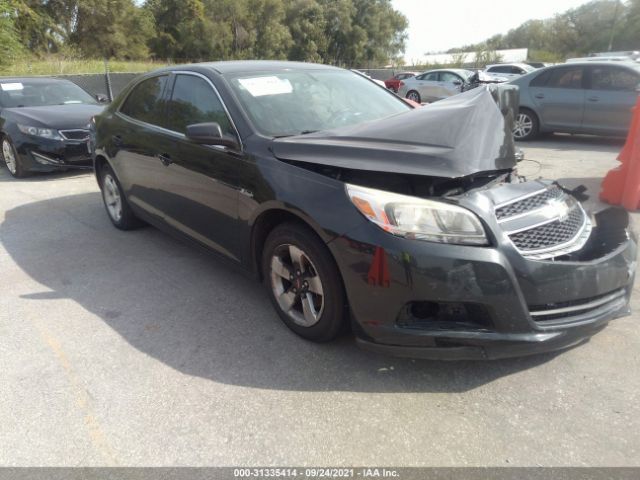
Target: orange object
(621,185)
(379,270)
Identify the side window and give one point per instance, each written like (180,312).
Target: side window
(500,69)
(542,79)
(565,78)
(194,101)
(517,70)
(612,78)
(431,77)
(449,77)
(145,102)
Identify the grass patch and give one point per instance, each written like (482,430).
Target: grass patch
(64,66)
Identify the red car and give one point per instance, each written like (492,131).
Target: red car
(394,82)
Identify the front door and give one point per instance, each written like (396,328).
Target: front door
(199,183)
(560,100)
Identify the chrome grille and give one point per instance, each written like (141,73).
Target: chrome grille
(529,203)
(545,224)
(550,234)
(77,134)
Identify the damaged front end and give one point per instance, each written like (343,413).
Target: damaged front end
(550,272)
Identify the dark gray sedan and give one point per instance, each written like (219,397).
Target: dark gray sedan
(590,97)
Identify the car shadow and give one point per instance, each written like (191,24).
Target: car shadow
(200,316)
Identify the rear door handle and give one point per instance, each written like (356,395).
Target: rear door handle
(117,140)
(165,159)
(539,95)
(593,99)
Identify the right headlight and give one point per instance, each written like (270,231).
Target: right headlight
(417,218)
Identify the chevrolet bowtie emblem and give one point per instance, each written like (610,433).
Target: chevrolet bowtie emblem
(560,209)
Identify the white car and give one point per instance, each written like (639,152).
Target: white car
(507,70)
(434,85)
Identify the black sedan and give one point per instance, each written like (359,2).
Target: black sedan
(44,125)
(409,225)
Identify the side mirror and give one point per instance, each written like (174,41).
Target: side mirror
(209,134)
(457,83)
(102,98)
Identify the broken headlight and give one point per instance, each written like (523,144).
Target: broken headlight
(417,218)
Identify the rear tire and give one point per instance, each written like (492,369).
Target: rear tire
(11,159)
(115,202)
(303,283)
(413,95)
(527,126)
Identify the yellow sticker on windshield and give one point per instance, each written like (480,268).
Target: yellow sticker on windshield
(260,86)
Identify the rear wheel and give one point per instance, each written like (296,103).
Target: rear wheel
(526,125)
(414,96)
(303,283)
(115,202)
(12,159)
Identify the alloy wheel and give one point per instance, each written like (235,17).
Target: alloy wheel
(9,156)
(413,96)
(112,199)
(296,285)
(523,126)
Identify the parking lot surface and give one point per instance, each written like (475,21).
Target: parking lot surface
(130,348)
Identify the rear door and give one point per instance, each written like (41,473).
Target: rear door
(139,138)
(559,97)
(199,183)
(611,93)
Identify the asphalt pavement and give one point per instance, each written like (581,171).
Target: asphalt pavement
(133,349)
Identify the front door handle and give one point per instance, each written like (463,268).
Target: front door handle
(165,159)
(593,99)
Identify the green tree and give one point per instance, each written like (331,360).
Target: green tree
(9,40)
(112,29)
(307,26)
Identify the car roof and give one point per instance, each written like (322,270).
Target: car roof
(454,70)
(516,64)
(33,80)
(627,63)
(248,66)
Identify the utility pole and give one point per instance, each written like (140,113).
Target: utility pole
(613,25)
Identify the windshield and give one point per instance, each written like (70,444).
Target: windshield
(283,103)
(25,93)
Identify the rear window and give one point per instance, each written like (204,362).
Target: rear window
(145,103)
(614,79)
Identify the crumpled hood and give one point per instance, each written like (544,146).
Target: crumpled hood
(462,135)
(59,117)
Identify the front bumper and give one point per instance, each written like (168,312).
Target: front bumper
(44,155)
(384,274)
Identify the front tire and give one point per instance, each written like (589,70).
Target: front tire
(527,126)
(11,159)
(303,283)
(115,202)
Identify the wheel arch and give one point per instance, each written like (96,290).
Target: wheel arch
(269,219)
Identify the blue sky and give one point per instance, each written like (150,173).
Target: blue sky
(437,25)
